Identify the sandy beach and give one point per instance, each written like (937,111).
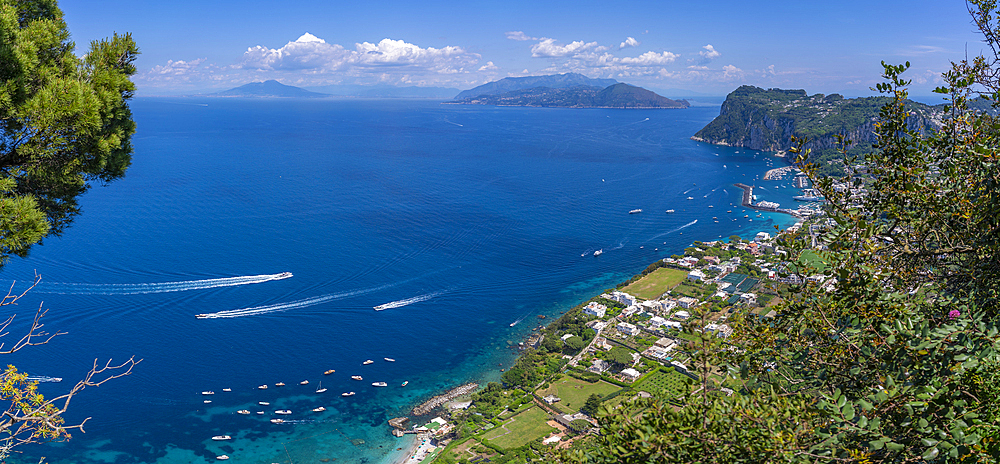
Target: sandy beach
(418,451)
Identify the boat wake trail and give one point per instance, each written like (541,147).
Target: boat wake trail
(675,230)
(258,310)
(43,378)
(407,301)
(688,190)
(163,287)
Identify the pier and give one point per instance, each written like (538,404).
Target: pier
(432,403)
(748,202)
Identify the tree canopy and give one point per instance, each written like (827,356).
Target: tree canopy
(64,120)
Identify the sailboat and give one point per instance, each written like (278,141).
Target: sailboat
(320,389)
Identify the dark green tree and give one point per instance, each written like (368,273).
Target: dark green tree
(592,404)
(64,120)
(620,356)
(574,344)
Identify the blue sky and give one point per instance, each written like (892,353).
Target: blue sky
(707,46)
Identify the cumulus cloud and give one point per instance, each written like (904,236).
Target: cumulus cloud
(710,52)
(649,59)
(176,68)
(518,35)
(548,48)
(730,72)
(306,52)
(489,66)
(629,42)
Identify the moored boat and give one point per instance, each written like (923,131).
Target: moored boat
(222,438)
(356,377)
(367,362)
(347,394)
(379,384)
(599,252)
(635,211)
(304,382)
(207,401)
(262,387)
(321,389)
(243,411)
(319,409)
(260,413)
(279,384)
(329,372)
(670,210)
(283,412)
(263,403)
(222,457)
(405,383)
(208,392)
(227,389)
(390,360)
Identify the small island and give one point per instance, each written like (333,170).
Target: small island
(564,91)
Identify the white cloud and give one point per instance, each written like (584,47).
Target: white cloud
(518,35)
(629,42)
(730,72)
(649,59)
(710,52)
(176,68)
(548,48)
(308,52)
(489,66)
(700,68)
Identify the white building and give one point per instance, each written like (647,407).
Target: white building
(749,298)
(721,330)
(627,329)
(621,297)
(630,375)
(595,309)
(659,322)
(696,275)
(687,302)
(682,315)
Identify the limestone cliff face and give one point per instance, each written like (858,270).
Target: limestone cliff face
(766,120)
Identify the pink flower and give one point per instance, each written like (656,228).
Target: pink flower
(953,314)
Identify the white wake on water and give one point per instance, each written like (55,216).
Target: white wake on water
(258,310)
(407,301)
(161,287)
(675,230)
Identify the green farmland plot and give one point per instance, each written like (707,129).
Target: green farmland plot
(574,392)
(668,382)
(521,429)
(656,283)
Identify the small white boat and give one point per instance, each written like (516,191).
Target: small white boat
(711,206)
(208,392)
(670,210)
(277,421)
(321,389)
(319,409)
(279,384)
(356,377)
(635,211)
(227,389)
(690,198)
(263,403)
(405,383)
(260,413)
(222,457)
(243,411)
(599,252)
(283,412)
(304,382)
(379,384)
(222,438)
(202,316)
(262,387)
(329,372)
(207,401)
(347,394)
(367,362)
(390,360)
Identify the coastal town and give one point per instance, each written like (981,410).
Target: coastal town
(628,343)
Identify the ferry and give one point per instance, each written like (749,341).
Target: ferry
(243,411)
(329,372)
(222,438)
(599,252)
(379,384)
(390,360)
(319,409)
(367,362)
(347,394)
(356,377)
(635,211)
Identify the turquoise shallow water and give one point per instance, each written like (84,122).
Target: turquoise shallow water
(465,218)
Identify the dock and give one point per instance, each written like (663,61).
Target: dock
(747,202)
(432,403)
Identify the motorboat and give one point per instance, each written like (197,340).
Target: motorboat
(202,316)
(262,387)
(243,411)
(390,360)
(279,384)
(379,384)
(263,403)
(283,412)
(367,362)
(329,372)
(319,409)
(207,401)
(222,438)
(320,389)
(304,382)
(599,252)
(405,383)
(670,210)
(635,211)
(356,377)
(277,421)
(260,413)
(690,198)
(208,392)
(227,389)
(222,457)
(347,394)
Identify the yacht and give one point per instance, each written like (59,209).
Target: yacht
(329,372)
(690,198)
(227,389)
(599,252)
(263,403)
(222,457)
(207,401)
(390,360)
(367,362)
(635,211)
(347,394)
(379,384)
(208,392)
(319,409)
(279,384)
(283,412)
(243,411)
(202,316)
(222,438)
(277,421)
(320,389)
(405,383)
(304,382)
(260,413)
(670,210)
(356,377)
(262,387)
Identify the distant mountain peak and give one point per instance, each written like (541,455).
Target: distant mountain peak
(617,95)
(269,88)
(553,81)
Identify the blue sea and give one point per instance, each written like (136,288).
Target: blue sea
(464,219)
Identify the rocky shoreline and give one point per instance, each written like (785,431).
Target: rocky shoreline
(429,405)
